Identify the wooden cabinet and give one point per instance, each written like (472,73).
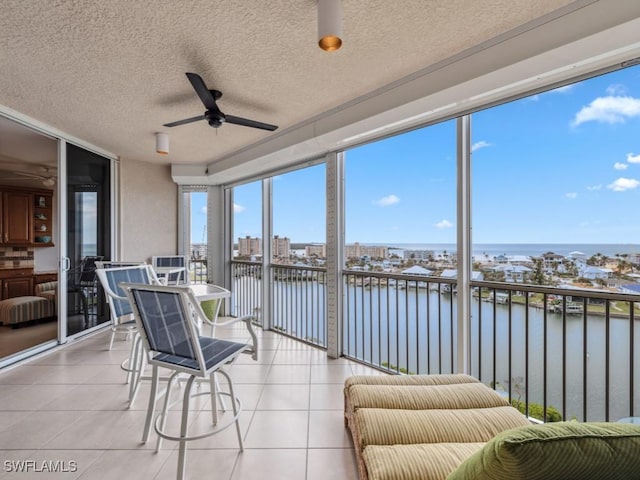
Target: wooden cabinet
(16,283)
(42,212)
(17,218)
(26,217)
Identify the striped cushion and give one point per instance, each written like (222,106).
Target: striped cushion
(401,427)
(570,450)
(23,309)
(408,380)
(417,397)
(412,462)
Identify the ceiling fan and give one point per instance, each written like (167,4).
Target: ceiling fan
(47,180)
(213,115)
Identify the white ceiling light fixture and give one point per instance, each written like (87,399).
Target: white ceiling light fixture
(162,143)
(329,25)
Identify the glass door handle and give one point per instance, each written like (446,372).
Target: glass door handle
(66,264)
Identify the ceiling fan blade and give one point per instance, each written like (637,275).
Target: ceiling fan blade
(185,121)
(249,123)
(30,175)
(202,91)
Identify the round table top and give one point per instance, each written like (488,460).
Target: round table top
(635,420)
(206,291)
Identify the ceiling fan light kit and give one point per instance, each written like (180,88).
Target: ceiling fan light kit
(162,143)
(329,25)
(214,117)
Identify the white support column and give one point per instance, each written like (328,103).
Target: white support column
(335,235)
(216,220)
(267,234)
(228,240)
(464,243)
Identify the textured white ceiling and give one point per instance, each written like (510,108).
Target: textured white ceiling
(112,72)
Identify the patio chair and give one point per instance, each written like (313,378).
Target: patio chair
(165,319)
(172,268)
(122,315)
(85,284)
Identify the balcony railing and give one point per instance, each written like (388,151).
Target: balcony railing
(557,353)
(198,270)
(246,293)
(298,303)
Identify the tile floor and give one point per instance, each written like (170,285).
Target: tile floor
(70,405)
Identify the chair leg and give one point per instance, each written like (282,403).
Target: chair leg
(215,389)
(165,408)
(184,426)
(223,402)
(113,335)
(131,365)
(235,409)
(139,368)
(151,408)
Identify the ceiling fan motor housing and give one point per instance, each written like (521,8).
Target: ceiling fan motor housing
(215,119)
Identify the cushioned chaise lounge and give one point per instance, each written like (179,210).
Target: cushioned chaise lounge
(422,427)
(453,427)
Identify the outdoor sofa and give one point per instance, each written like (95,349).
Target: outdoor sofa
(436,427)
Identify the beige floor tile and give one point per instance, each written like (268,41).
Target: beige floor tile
(200,464)
(278,429)
(328,463)
(289,374)
(32,397)
(126,464)
(284,397)
(327,396)
(330,373)
(327,430)
(242,374)
(270,465)
(36,429)
(72,403)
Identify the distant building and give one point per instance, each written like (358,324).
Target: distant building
(198,250)
(513,273)
(281,247)
(593,273)
(422,255)
(249,246)
(319,250)
(417,270)
(357,251)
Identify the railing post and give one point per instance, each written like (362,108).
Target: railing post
(335,207)
(464,243)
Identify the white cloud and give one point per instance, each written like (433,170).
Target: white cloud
(203,210)
(386,201)
(571,195)
(608,110)
(238,208)
(479,145)
(622,184)
(594,187)
(620,166)
(444,224)
(616,89)
(631,158)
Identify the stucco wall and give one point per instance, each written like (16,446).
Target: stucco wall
(149,211)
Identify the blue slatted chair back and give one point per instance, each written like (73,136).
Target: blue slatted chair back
(111,278)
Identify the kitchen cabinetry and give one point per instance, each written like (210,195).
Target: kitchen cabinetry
(17,218)
(16,282)
(26,217)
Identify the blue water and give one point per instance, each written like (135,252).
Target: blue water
(532,249)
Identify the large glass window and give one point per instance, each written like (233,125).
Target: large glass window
(299,213)
(400,202)
(555,184)
(247,221)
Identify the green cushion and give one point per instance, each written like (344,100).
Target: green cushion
(209,307)
(562,451)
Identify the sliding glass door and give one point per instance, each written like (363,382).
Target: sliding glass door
(88,236)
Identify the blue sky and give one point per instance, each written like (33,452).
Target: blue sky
(558,167)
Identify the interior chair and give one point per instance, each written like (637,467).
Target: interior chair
(165,318)
(84,285)
(122,320)
(172,268)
